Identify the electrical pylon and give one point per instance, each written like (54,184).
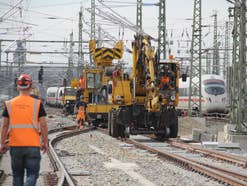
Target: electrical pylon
(195,64)
(226,62)
(80,49)
(162,30)
(216,65)
(208,62)
(93,19)
(70,59)
(239,89)
(93,31)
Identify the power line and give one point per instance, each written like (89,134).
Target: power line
(42,13)
(13,7)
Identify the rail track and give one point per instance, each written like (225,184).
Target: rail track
(65,178)
(171,151)
(229,158)
(220,174)
(58,176)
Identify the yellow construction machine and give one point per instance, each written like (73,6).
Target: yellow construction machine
(98,82)
(153,87)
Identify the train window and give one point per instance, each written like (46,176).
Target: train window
(214,86)
(183,92)
(51,94)
(70,91)
(214,90)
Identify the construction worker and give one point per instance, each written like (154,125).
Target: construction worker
(167,78)
(116,74)
(82,82)
(23,121)
(80,110)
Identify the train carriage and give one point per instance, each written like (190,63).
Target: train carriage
(214,97)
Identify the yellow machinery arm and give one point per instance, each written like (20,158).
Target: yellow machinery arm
(152,90)
(144,73)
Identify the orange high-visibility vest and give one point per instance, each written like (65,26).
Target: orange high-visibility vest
(81,113)
(165,79)
(82,83)
(23,121)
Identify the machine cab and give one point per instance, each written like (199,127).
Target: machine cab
(93,83)
(168,81)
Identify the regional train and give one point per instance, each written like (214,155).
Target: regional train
(59,96)
(213,91)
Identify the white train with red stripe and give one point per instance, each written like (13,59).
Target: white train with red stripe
(59,96)
(214,97)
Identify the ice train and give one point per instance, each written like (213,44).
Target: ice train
(213,91)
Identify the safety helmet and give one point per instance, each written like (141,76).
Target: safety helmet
(24,81)
(81,97)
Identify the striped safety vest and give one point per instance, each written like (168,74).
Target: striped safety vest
(81,112)
(23,121)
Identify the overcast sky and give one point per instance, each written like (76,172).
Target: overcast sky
(56,19)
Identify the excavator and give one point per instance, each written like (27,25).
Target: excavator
(153,86)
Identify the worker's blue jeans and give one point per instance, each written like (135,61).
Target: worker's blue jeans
(25,159)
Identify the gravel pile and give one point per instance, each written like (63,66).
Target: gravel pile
(97,159)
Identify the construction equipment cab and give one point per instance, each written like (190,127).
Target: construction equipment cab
(168,81)
(67,98)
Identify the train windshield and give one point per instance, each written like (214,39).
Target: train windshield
(214,87)
(70,92)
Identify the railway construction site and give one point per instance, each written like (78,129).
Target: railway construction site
(91,157)
(151,92)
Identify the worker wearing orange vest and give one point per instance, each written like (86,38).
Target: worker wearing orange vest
(82,82)
(167,76)
(81,112)
(23,120)
(116,75)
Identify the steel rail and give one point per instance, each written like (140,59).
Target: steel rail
(223,175)
(214,154)
(65,176)
(194,165)
(55,161)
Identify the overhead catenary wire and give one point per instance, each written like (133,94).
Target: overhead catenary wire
(13,7)
(38,12)
(119,20)
(105,34)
